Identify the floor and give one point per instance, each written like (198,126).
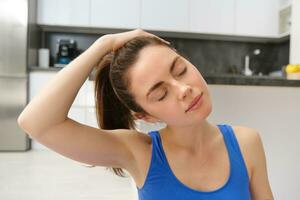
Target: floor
(47,175)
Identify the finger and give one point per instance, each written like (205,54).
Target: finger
(165,41)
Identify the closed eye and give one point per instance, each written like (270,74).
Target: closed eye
(180,74)
(183,72)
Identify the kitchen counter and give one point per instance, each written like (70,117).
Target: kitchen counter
(223,79)
(230,79)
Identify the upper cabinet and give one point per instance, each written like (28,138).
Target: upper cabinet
(213,16)
(257,18)
(284,3)
(166,15)
(115,13)
(253,18)
(63,12)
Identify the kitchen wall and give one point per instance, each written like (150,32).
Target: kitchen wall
(218,57)
(295,33)
(209,56)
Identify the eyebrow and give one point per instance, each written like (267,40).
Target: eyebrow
(158,84)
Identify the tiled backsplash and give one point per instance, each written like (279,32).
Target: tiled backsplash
(218,57)
(209,56)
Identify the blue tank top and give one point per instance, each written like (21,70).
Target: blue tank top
(162,184)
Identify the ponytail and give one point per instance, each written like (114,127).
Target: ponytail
(111,113)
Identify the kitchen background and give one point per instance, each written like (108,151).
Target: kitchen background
(209,56)
(241,47)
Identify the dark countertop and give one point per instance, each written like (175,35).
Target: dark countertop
(255,80)
(223,79)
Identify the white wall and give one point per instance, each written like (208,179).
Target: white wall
(275,113)
(295,33)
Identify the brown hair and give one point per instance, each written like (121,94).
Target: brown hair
(112,98)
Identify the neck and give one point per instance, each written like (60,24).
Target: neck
(191,138)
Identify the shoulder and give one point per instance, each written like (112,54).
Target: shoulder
(253,150)
(250,144)
(246,136)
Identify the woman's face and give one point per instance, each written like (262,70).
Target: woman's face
(175,89)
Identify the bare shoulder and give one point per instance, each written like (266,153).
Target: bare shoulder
(246,136)
(250,143)
(252,147)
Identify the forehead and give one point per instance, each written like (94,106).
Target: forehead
(152,63)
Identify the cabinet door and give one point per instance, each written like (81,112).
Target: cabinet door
(115,13)
(80,99)
(90,99)
(284,3)
(63,12)
(91,119)
(213,16)
(37,81)
(257,18)
(167,15)
(77,114)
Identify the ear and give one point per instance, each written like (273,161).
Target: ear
(145,117)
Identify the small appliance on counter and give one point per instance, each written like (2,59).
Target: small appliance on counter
(256,62)
(66,52)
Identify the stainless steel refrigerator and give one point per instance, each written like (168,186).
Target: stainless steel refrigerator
(17,50)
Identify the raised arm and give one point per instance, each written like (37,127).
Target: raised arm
(45,117)
(51,105)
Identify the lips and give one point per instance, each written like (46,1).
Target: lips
(195,100)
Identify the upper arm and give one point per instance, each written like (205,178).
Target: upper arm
(90,145)
(254,153)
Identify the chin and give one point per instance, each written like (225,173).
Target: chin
(205,110)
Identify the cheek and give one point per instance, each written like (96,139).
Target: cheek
(197,77)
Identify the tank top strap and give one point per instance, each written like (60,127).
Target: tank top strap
(158,157)
(233,148)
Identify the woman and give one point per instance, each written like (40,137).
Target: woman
(140,76)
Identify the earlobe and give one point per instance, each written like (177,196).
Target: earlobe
(144,117)
(137,115)
(150,119)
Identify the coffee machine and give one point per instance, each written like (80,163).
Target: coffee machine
(66,52)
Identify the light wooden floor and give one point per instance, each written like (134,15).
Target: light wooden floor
(46,175)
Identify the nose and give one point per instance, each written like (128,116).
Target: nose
(183,89)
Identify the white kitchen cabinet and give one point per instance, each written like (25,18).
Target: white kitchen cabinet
(78,114)
(90,99)
(91,119)
(257,18)
(295,34)
(284,3)
(37,80)
(80,99)
(167,15)
(115,13)
(63,12)
(214,16)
